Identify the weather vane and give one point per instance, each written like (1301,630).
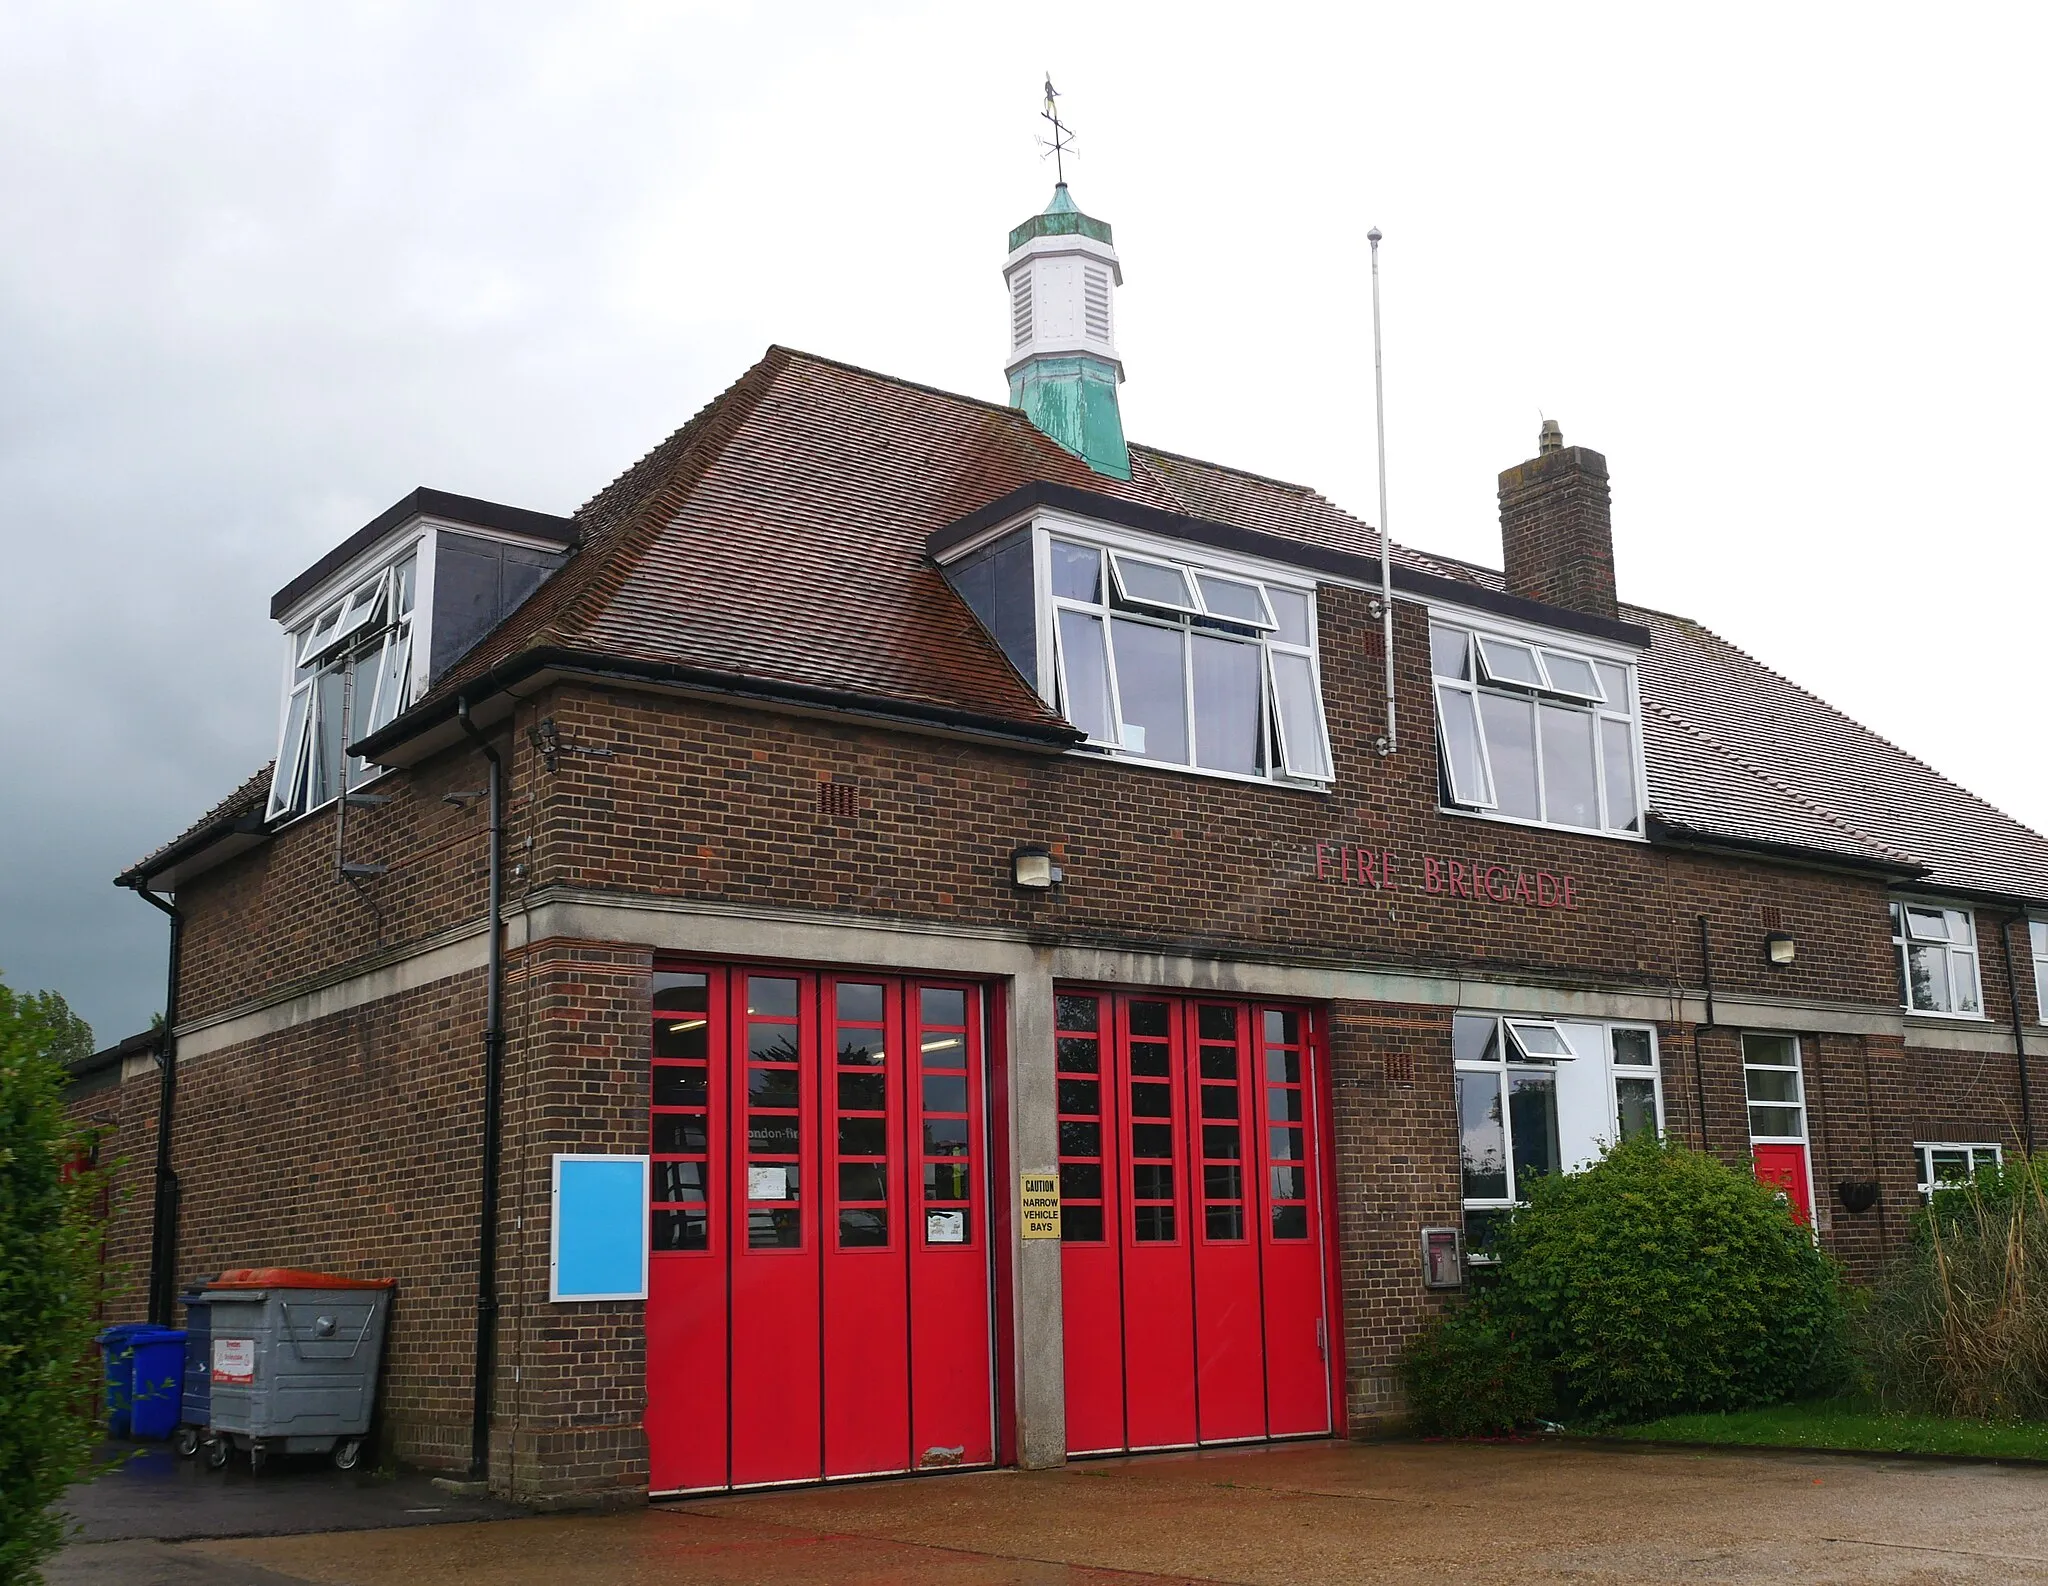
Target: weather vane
(1062,138)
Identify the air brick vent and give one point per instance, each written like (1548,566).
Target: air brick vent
(839,801)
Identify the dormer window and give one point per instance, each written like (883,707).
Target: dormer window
(352,671)
(1529,730)
(1172,663)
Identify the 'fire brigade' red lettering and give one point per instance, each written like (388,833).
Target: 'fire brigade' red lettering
(1359,866)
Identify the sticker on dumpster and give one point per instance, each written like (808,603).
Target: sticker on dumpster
(234,1360)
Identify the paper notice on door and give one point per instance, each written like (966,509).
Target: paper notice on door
(234,1360)
(945,1228)
(767,1183)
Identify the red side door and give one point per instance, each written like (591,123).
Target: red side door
(1783,1167)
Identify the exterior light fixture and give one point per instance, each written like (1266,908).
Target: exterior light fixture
(1031,866)
(1780,949)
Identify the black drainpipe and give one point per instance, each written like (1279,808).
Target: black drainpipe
(2019,1033)
(494,1062)
(163,1229)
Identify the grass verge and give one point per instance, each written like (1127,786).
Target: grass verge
(1849,1424)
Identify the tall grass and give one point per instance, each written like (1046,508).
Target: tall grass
(1960,1324)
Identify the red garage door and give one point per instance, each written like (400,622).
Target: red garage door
(819,1301)
(1196,1265)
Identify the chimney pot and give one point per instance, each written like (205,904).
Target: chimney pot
(1557,526)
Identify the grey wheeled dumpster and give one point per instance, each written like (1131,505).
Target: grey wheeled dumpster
(294,1359)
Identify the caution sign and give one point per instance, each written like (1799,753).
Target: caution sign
(1041,1206)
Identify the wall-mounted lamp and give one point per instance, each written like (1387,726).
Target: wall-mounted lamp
(1032,866)
(1780,949)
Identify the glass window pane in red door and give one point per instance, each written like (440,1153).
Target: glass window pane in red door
(1223,1216)
(1079,1047)
(775,1100)
(861,1090)
(681,1190)
(1286,1128)
(946,1133)
(1152,1123)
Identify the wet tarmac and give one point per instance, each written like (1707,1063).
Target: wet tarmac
(1391,1513)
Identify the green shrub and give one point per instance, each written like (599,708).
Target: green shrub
(1959,1325)
(1661,1281)
(1469,1375)
(49,1281)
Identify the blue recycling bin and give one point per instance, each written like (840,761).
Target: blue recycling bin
(196,1406)
(159,1381)
(117,1358)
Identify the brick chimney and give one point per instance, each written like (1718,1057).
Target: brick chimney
(1557,526)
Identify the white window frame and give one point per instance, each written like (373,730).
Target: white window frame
(1537,643)
(1287,767)
(2037,939)
(375,572)
(1797,1070)
(1904,934)
(1923,1151)
(1508,1060)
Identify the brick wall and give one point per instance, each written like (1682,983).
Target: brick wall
(350,1141)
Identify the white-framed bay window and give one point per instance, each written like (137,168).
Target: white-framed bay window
(351,665)
(1168,657)
(2037,935)
(1539,1095)
(1937,957)
(1535,728)
(1949,1164)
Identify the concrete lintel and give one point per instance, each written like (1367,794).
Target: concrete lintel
(422,968)
(680,926)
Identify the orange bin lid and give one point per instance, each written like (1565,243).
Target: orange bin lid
(293,1278)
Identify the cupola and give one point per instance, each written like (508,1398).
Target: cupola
(1062,275)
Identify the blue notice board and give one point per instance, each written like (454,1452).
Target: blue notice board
(600,1228)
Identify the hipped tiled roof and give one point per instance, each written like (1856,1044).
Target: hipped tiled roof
(780,536)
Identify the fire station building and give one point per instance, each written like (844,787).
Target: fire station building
(910,933)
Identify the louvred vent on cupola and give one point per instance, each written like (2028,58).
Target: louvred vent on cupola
(1020,309)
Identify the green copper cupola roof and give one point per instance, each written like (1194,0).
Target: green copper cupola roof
(1062,273)
(1062,218)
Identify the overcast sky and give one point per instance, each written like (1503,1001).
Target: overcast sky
(265,268)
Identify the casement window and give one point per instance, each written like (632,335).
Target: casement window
(1937,955)
(1170,662)
(1777,1093)
(1528,731)
(352,670)
(1540,1096)
(1946,1165)
(2038,931)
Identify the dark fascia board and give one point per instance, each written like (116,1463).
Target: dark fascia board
(430,504)
(2017,902)
(1278,548)
(110,1056)
(1667,833)
(212,844)
(738,687)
